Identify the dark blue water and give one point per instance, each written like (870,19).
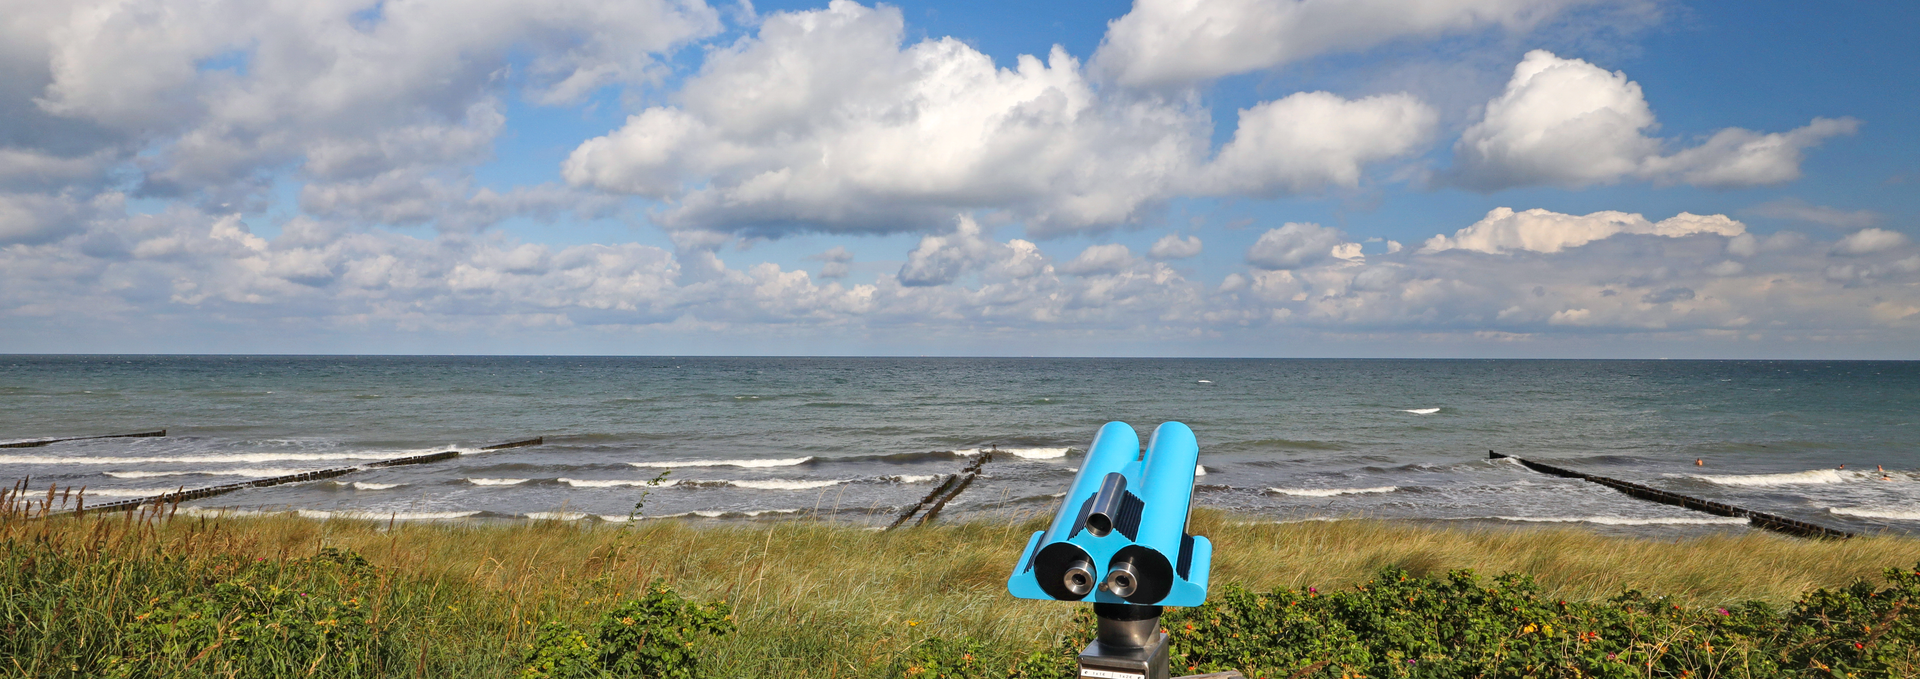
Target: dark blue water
(859,438)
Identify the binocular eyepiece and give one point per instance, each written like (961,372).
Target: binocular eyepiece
(1122,579)
(1119,536)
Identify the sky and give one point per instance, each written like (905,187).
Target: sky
(1238,178)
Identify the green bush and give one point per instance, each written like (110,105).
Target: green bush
(250,625)
(654,636)
(1402,625)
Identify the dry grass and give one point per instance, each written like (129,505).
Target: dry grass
(826,600)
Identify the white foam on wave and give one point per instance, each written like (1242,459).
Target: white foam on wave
(718,514)
(241,458)
(383,516)
(130,492)
(778,462)
(1624,521)
(496,482)
(1422,411)
(784,484)
(1330,492)
(262,473)
(1896,513)
(556,516)
(1022,453)
(226,512)
(1810,476)
(912,478)
(1199,470)
(364,485)
(614,483)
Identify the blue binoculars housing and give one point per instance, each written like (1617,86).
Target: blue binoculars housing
(1120,536)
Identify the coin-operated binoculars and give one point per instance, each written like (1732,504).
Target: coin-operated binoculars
(1120,540)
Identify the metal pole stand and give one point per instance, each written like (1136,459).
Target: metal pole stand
(1127,644)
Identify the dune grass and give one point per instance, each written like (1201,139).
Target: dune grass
(809,598)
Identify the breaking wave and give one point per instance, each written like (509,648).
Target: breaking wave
(784,484)
(261,473)
(1810,476)
(1330,492)
(383,516)
(614,483)
(1900,514)
(496,482)
(778,462)
(1422,411)
(714,514)
(556,516)
(1023,453)
(201,459)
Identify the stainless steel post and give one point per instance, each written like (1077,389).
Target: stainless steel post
(1127,644)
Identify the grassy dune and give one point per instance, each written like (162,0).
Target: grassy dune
(810,599)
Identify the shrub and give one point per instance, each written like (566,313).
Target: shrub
(1403,625)
(655,636)
(249,624)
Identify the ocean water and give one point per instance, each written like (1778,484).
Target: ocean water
(857,439)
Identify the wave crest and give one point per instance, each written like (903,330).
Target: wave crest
(778,462)
(1810,476)
(1899,514)
(1330,492)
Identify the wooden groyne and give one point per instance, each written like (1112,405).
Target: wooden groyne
(210,491)
(316,475)
(1772,522)
(42,442)
(537,440)
(952,487)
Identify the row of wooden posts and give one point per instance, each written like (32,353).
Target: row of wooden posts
(17,502)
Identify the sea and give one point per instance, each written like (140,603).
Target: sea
(858,440)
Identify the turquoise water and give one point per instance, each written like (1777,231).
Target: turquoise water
(858,438)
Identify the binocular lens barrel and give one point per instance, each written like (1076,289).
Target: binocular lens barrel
(1079,578)
(1122,580)
(1106,504)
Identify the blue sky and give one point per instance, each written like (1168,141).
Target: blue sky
(1474,178)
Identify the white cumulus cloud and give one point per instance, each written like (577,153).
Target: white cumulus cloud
(1569,123)
(1162,43)
(1868,241)
(825,121)
(1504,230)
(1309,140)
(1295,244)
(1172,246)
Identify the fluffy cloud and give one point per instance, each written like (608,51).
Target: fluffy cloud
(345,88)
(1172,246)
(1309,140)
(1538,274)
(1869,241)
(1504,230)
(1295,244)
(1530,274)
(940,259)
(1570,123)
(1164,43)
(824,121)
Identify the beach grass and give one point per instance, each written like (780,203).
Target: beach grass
(809,598)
